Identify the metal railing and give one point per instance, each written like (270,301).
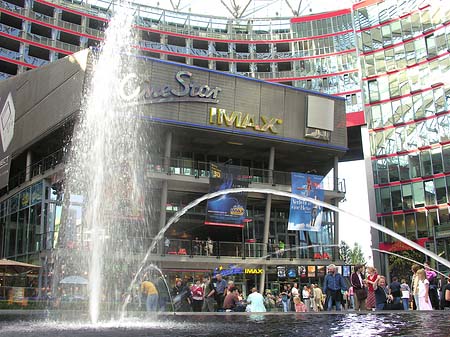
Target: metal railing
(176,166)
(40,167)
(198,169)
(243,250)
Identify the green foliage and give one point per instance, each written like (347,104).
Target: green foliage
(352,255)
(401,266)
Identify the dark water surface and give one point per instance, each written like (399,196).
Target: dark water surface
(436,323)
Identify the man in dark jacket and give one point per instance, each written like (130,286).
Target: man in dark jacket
(333,286)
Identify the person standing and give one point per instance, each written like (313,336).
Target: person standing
(306,298)
(166,245)
(209,301)
(182,297)
(359,288)
(285,299)
(333,286)
(220,286)
(424,288)
(433,291)
(372,279)
(281,247)
(148,289)
(197,296)
(445,295)
(394,290)
(381,292)
(415,286)
(318,298)
(406,293)
(209,247)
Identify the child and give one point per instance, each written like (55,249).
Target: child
(424,286)
(299,305)
(405,294)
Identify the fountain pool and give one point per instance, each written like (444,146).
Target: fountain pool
(237,324)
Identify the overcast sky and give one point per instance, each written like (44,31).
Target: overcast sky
(260,8)
(353,230)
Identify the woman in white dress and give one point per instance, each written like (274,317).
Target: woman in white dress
(424,286)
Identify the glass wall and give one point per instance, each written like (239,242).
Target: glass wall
(404,59)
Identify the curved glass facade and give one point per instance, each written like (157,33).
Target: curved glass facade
(316,52)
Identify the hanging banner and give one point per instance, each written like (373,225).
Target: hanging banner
(227,210)
(304,215)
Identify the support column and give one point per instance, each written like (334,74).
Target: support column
(336,203)
(164,188)
(28,166)
(267,218)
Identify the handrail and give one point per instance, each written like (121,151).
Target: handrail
(177,166)
(48,162)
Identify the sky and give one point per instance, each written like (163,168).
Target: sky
(261,8)
(353,230)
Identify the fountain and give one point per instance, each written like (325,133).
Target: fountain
(104,170)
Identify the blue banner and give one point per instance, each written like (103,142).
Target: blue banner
(304,215)
(229,209)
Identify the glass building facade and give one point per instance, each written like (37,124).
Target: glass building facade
(404,54)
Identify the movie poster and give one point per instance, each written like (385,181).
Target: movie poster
(228,209)
(304,215)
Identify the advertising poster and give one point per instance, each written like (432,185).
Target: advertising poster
(302,271)
(292,273)
(311,271)
(304,215)
(229,209)
(281,272)
(346,271)
(320,271)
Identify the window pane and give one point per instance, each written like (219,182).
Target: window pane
(396,197)
(399,224)
(407,197)
(385,200)
(430,193)
(437,161)
(441,193)
(393,169)
(414,166)
(403,167)
(426,163)
(419,194)
(410,222)
(422,225)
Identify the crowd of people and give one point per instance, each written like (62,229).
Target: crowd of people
(370,291)
(364,290)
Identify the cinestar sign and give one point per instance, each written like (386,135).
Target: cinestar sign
(186,90)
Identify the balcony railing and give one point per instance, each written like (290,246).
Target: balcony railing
(177,166)
(197,169)
(47,163)
(248,249)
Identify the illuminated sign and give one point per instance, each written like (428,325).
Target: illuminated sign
(254,271)
(243,120)
(186,90)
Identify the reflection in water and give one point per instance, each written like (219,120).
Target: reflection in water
(410,323)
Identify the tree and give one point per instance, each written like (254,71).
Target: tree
(351,255)
(357,255)
(400,264)
(344,251)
